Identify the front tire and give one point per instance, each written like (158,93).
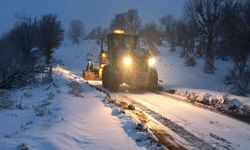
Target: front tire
(105,77)
(153,80)
(110,79)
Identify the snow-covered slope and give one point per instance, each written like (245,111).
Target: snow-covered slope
(54,117)
(192,82)
(74,57)
(175,74)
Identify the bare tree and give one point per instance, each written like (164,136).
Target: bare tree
(23,34)
(76,31)
(16,47)
(13,63)
(119,21)
(50,34)
(206,14)
(95,33)
(129,21)
(168,26)
(185,37)
(151,37)
(133,21)
(235,36)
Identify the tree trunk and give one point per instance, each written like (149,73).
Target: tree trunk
(209,62)
(49,64)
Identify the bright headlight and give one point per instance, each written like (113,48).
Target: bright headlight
(127,61)
(151,61)
(103,55)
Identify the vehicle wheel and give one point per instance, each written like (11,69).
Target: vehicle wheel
(114,81)
(153,80)
(110,79)
(105,77)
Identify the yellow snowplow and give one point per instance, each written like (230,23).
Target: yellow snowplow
(128,63)
(95,73)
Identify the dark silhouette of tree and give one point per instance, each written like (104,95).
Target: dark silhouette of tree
(95,33)
(23,34)
(129,21)
(185,37)
(168,27)
(235,36)
(206,14)
(151,37)
(50,34)
(76,31)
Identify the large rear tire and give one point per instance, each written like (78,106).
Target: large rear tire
(105,77)
(153,80)
(110,79)
(114,81)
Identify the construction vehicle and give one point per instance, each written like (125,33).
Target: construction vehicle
(95,73)
(128,63)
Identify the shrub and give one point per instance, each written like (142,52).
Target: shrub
(190,61)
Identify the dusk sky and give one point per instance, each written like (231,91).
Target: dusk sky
(91,12)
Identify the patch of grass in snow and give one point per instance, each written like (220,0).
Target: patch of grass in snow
(41,110)
(27,94)
(50,95)
(23,146)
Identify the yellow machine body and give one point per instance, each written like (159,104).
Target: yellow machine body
(95,73)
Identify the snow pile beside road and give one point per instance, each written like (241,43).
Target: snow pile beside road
(217,99)
(235,106)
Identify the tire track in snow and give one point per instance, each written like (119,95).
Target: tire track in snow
(189,137)
(163,137)
(181,131)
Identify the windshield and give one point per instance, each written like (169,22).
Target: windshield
(125,43)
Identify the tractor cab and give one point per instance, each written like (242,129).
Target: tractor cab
(128,63)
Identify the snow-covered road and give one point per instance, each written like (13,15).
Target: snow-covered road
(214,128)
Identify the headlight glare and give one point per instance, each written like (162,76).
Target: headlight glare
(151,61)
(127,61)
